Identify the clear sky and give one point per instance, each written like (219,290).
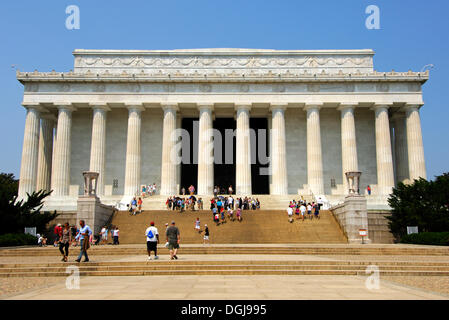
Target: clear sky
(412,34)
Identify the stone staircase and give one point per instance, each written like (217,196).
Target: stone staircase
(257,226)
(224,267)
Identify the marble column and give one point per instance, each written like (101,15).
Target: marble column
(169,153)
(348,142)
(98,145)
(45,158)
(314,151)
(416,162)
(30,150)
(133,154)
(243,151)
(278,151)
(205,150)
(384,158)
(400,147)
(60,177)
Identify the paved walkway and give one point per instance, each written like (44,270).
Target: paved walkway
(227,288)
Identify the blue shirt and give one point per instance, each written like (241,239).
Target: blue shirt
(85,229)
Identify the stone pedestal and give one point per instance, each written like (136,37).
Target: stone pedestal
(352,216)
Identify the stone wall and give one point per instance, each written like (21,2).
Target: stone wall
(379,231)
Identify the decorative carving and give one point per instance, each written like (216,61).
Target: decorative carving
(205,88)
(382,87)
(244,87)
(100,87)
(313,87)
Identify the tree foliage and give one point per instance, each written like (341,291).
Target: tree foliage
(15,214)
(424,204)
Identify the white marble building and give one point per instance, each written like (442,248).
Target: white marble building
(329,111)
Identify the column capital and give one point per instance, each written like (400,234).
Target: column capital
(203,106)
(345,106)
(135,107)
(380,106)
(312,106)
(411,107)
(100,106)
(278,106)
(242,106)
(35,106)
(170,106)
(65,106)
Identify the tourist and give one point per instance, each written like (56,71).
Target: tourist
(112,233)
(133,206)
(197,225)
(309,211)
(317,211)
(83,235)
(104,235)
(116,236)
(215,191)
(154,188)
(230,214)
(297,211)
(41,240)
(173,239)
(223,218)
(231,202)
(230,190)
(200,204)
(206,234)
(144,191)
(303,209)
(152,240)
(64,241)
(290,213)
(238,214)
(368,190)
(183,191)
(139,205)
(58,232)
(191,190)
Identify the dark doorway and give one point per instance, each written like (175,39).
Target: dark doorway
(189,164)
(259,146)
(224,162)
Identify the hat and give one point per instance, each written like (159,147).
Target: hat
(173,222)
(152,223)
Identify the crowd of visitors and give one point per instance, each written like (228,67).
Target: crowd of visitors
(303,210)
(148,190)
(182,204)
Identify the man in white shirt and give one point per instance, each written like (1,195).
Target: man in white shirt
(290,214)
(231,202)
(152,240)
(83,236)
(302,208)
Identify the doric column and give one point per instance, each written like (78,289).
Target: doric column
(169,152)
(348,142)
(314,153)
(400,147)
(30,149)
(60,177)
(133,156)
(278,151)
(416,162)
(45,158)
(98,145)
(205,150)
(243,151)
(385,173)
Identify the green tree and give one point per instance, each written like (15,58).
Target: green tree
(16,215)
(424,204)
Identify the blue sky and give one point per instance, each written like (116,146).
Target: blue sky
(413,34)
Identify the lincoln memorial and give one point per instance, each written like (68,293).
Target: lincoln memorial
(268,122)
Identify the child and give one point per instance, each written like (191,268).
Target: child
(222,215)
(217,219)
(239,215)
(297,212)
(230,214)
(206,235)
(139,204)
(197,225)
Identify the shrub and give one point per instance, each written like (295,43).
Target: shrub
(17,239)
(428,238)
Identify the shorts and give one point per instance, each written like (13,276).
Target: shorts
(173,245)
(309,212)
(206,237)
(297,213)
(152,246)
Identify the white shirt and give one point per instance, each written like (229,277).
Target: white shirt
(302,208)
(309,208)
(290,211)
(154,231)
(116,233)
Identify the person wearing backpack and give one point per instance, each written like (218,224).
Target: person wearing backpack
(152,240)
